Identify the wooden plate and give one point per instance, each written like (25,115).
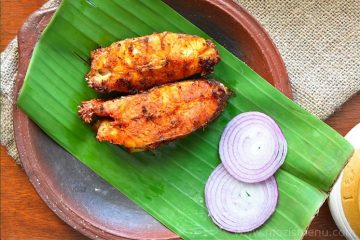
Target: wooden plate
(75,193)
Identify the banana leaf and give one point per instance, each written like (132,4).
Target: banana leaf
(169,182)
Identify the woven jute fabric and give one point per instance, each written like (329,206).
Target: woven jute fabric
(318,40)
(9,64)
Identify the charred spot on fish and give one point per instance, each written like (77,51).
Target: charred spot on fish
(95,52)
(162,44)
(130,48)
(101,108)
(144,110)
(110,63)
(185,68)
(170,74)
(209,43)
(98,87)
(136,118)
(207,65)
(122,82)
(133,91)
(119,123)
(150,117)
(218,93)
(150,75)
(143,83)
(211,82)
(175,124)
(197,123)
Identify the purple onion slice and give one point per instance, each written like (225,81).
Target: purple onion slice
(252,147)
(237,206)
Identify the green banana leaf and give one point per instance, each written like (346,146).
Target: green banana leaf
(169,182)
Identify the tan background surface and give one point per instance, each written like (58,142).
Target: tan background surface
(319,41)
(25,216)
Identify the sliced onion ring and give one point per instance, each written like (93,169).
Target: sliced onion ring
(236,206)
(252,147)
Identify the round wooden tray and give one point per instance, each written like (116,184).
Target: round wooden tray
(75,193)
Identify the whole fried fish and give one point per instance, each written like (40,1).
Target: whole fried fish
(162,114)
(137,64)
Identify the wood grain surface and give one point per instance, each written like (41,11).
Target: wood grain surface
(25,216)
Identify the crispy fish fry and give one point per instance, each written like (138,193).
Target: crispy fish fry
(144,121)
(138,64)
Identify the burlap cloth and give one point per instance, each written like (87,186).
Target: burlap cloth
(318,40)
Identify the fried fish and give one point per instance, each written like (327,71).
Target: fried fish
(137,64)
(162,114)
